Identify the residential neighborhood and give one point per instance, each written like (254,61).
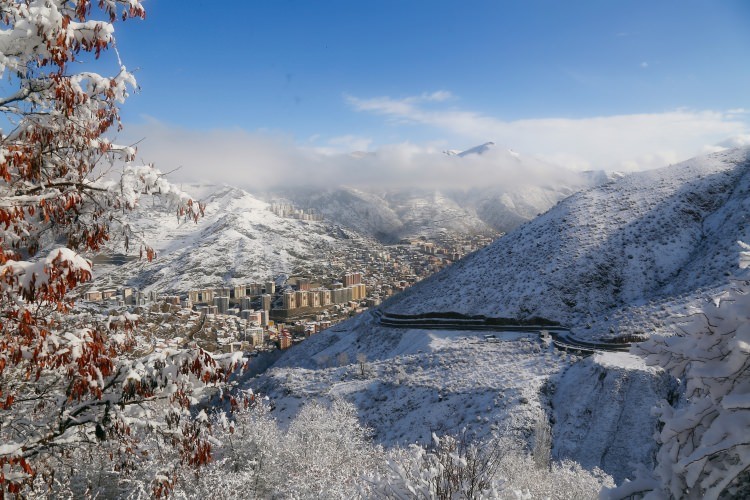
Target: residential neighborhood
(281,311)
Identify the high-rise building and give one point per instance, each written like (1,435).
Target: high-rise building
(290,300)
(303,284)
(265,302)
(222,304)
(270,287)
(257,335)
(341,295)
(302,299)
(251,316)
(246,303)
(352,279)
(203,296)
(285,340)
(359,292)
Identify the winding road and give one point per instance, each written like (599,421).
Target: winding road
(561,337)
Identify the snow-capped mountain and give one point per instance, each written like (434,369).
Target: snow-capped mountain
(238,240)
(396,213)
(474,150)
(477,150)
(392,215)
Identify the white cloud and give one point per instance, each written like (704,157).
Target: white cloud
(549,147)
(437,96)
(259,161)
(619,142)
(342,144)
(736,141)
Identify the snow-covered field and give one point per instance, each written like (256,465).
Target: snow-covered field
(420,381)
(410,383)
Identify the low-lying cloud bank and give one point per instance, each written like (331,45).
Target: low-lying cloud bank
(550,149)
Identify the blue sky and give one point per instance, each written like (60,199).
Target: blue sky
(660,80)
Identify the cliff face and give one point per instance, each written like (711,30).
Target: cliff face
(602,412)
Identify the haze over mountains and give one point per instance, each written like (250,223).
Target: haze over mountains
(617,257)
(511,190)
(240,229)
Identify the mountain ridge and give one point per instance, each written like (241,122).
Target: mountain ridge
(601,250)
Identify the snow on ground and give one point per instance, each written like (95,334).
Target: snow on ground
(601,408)
(416,382)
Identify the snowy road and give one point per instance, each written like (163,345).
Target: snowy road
(561,337)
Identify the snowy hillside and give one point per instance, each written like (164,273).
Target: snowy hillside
(238,240)
(512,189)
(358,210)
(392,215)
(410,383)
(427,213)
(649,236)
(415,382)
(409,212)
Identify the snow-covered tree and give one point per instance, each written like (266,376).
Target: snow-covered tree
(705,436)
(64,381)
(498,468)
(323,454)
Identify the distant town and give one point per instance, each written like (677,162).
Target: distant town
(279,312)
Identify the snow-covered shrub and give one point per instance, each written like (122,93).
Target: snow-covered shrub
(451,468)
(705,437)
(500,468)
(323,454)
(328,450)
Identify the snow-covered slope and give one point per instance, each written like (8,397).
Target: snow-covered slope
(646,237)
(239,240)
(509,189)
(415,382)
(409,212)
(358,210)
(601,407)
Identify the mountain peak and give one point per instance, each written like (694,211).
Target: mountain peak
(478,150)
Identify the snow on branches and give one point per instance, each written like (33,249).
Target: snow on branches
(705,442)
(67,379)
